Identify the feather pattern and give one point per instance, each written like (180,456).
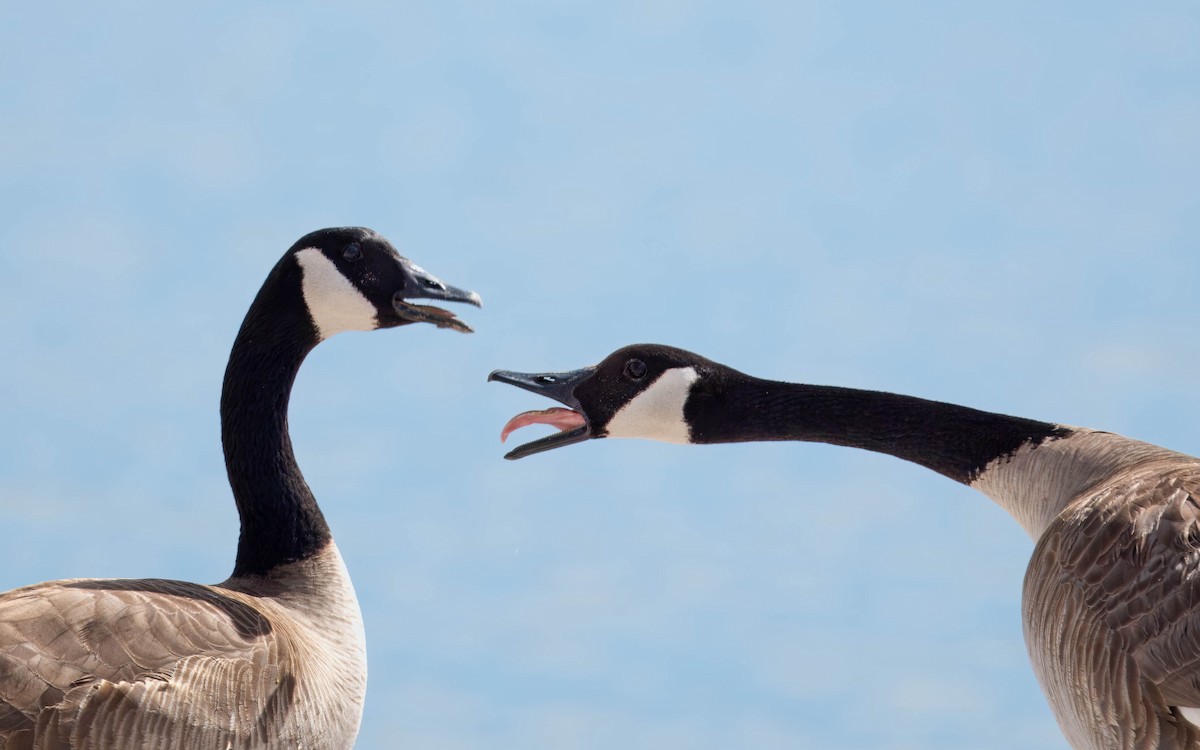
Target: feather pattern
(1112,610)
(152,663)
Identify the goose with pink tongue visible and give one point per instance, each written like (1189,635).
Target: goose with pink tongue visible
(1111,604)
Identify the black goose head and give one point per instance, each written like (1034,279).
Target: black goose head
(329,281)
(637,391)
(351,278)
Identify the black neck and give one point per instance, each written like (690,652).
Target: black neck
(279,516)
(955,441)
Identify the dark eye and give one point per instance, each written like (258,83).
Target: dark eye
(352,251)
(635,369)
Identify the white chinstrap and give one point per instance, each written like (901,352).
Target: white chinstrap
(334,303)
(657,412)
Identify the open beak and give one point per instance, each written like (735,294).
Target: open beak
(571,422)
(420,284)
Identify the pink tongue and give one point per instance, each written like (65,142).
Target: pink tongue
(556,416)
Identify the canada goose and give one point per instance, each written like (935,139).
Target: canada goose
(1111,604)
(275,656)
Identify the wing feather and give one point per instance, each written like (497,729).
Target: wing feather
(93,663)
(1112,611)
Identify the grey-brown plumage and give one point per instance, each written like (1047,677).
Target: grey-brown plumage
(274,657)
(96,663)
(1112,592)
(1112,609)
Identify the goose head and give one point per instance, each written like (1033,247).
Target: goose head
(640,391)
(352,279)
(329,281)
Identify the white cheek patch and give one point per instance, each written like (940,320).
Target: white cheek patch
(334,303)
(657,412)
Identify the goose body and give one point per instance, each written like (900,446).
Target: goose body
(274,656)
(1111,601)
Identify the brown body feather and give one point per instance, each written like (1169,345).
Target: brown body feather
(1112,610)
(152,663)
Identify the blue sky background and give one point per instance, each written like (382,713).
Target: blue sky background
(994,206)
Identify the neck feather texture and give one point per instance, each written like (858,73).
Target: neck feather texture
(280,520)
(955,441)
(1034,470)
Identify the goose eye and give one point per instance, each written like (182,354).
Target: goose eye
(635,369)
(352,251)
